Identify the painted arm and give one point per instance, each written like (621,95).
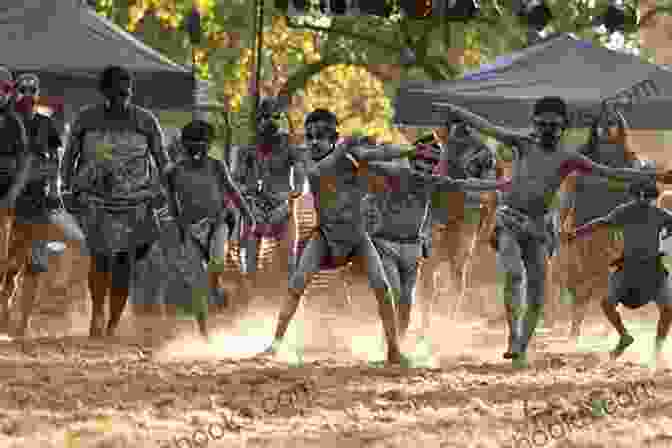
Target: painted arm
(299,173)
(330,161)
(157,147)
(23,163)
(506,136)
(479,185)
(584,166)
(71,155)
(588,228)
(235,196)
(173,201)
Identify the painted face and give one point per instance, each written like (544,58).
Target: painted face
(319,138)
(548,128)
(196,150)
(27,92)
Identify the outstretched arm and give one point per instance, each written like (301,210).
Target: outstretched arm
(611,219)
(506,136)
(583,165)
(482,185)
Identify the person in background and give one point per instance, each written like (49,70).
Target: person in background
(642,277)
(39,219)
(115,164)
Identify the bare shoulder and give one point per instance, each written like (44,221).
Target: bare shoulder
(145,118)
(88,115)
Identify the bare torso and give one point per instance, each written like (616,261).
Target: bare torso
(199,189)
(339,195)
(536,179)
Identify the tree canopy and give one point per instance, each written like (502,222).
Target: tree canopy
(351,65)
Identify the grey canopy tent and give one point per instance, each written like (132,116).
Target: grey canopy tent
(585,75)
(67,44)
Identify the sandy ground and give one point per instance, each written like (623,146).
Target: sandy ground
(327,388)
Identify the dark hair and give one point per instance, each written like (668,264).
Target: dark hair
(198,130)
(321,115)
(551,104)
(648,188)
(112,73)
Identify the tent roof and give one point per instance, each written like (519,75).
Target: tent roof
(67,44)
(560,65)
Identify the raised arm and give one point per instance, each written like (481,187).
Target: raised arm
(506,136)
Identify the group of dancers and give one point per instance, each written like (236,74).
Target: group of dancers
(348,177)
(373,206)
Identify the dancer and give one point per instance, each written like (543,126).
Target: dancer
(642,278)
(339,182)
(38,217)
(114,164)
(460,216)
(271,175)
(208,207)
(15,163)
(523,237)
(402,212)
(586,197)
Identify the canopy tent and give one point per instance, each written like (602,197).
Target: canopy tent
(583,74)
(67,44)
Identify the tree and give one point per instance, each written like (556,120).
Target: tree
(316,59)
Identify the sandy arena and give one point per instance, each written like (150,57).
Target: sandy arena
(329,387)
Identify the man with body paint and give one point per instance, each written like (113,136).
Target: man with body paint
(585,198)
(642,277)
(523,236)
(401,203)
(114,163)
(270,175)
(208,208)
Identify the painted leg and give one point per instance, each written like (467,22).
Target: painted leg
(309,265)
(513,275)
(118,300)
(614,318)
(427,295)
(582,296)
(387,300)
(346,276)
(32,286)
(100,284)
(535,259)
(665,318)
(10,288)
